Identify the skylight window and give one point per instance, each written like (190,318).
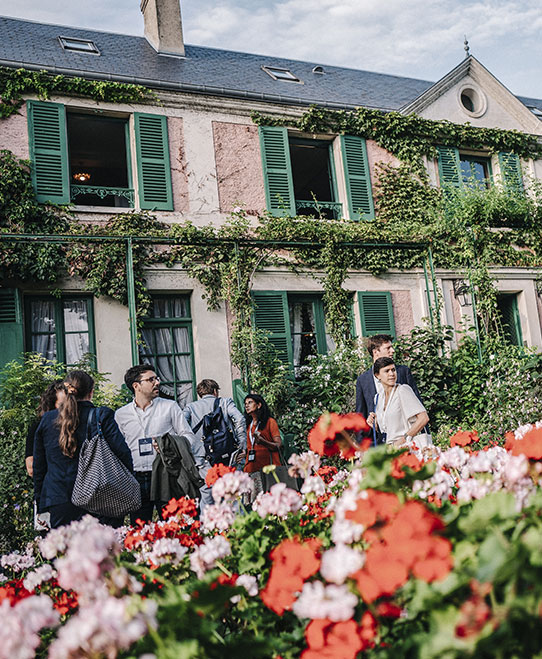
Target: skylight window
(280,74)
(536,111)
(79,45)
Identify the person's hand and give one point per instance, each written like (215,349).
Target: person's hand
(371,419)
(29,464)
(155,445)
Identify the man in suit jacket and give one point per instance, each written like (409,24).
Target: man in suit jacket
(379,345)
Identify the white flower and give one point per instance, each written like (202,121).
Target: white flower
(280,500)
(217,517)
(204,557)
(303,464)
(232,486)
(314,485)
(17,561)
(249,583)
(165,551)
(103,628)
(340,562)
(38,576)
(21,623)
(320,602)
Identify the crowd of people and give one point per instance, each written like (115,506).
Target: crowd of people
(169,450)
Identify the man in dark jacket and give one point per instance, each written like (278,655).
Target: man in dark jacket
(379,345)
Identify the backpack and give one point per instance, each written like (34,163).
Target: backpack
(218,439)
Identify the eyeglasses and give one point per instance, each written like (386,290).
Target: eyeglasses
(153,378)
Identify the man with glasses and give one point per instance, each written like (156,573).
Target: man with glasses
(146,417)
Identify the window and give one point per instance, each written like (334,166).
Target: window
(84,158)
(79,45)
(60,329)
(280,74)
(507,305)
(98,149)
(313,177)
(11,325)
(457,169)
(167,345)
(475,171)
(307,329)
(299,175)
(295,324)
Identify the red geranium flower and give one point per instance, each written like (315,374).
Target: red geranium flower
(293,562)
(332,434)
(216,472)
(405,460)
(177,507)
(332,640)
(530,445)
(464,438)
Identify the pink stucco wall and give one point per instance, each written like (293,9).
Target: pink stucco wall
(179,176)
(376,154)
(14,134)
(402,312)
(238,167)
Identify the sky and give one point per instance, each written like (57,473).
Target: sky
(414,38)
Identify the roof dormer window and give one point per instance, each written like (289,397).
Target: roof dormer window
(79,45)
(280,74)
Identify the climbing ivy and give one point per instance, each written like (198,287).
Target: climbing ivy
(408,137)
(16,84)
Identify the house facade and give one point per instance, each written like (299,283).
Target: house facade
(194,153)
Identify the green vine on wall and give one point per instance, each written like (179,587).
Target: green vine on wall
(407,137)
(16,84)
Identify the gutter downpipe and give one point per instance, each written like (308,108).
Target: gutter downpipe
(132,311)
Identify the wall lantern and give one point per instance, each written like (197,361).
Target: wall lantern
(461,292)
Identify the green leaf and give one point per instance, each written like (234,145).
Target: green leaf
(493,507)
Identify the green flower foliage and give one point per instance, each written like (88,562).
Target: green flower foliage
(16,84)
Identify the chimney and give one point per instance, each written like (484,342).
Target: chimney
(163,26)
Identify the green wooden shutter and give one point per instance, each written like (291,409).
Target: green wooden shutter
(153,166)
(277,171)
(49,151)
(508,307)
(271,314)
(376,312)
(448,167)
(11,325)
(511,171)
(357,177)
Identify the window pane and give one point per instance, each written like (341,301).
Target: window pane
(311,173)
(44,344)
(77,347)
(303,330)
(168,347)
(475,171)
(75,316)
(42,316)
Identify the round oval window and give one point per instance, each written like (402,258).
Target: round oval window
(467,100)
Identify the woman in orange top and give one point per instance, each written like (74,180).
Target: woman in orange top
(263,436)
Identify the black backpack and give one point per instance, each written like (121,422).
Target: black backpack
(218,439)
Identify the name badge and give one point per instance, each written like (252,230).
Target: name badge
(145,446)
(251,455)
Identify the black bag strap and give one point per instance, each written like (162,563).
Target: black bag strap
(90,420)
(198,425)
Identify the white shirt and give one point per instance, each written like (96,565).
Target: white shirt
(159,417)
(400,412)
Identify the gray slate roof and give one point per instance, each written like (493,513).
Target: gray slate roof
(204,70)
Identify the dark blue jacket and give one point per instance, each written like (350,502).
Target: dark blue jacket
(366,390)
(54,472)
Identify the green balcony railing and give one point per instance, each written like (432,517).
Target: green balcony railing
(329,209)
(102,192)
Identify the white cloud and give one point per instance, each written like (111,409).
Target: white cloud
(415,38)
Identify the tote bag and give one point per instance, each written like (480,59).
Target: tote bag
(103,485)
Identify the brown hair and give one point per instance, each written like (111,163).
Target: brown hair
(78,386)
(382,362)
(48,397)
(207,387)
(374,342)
